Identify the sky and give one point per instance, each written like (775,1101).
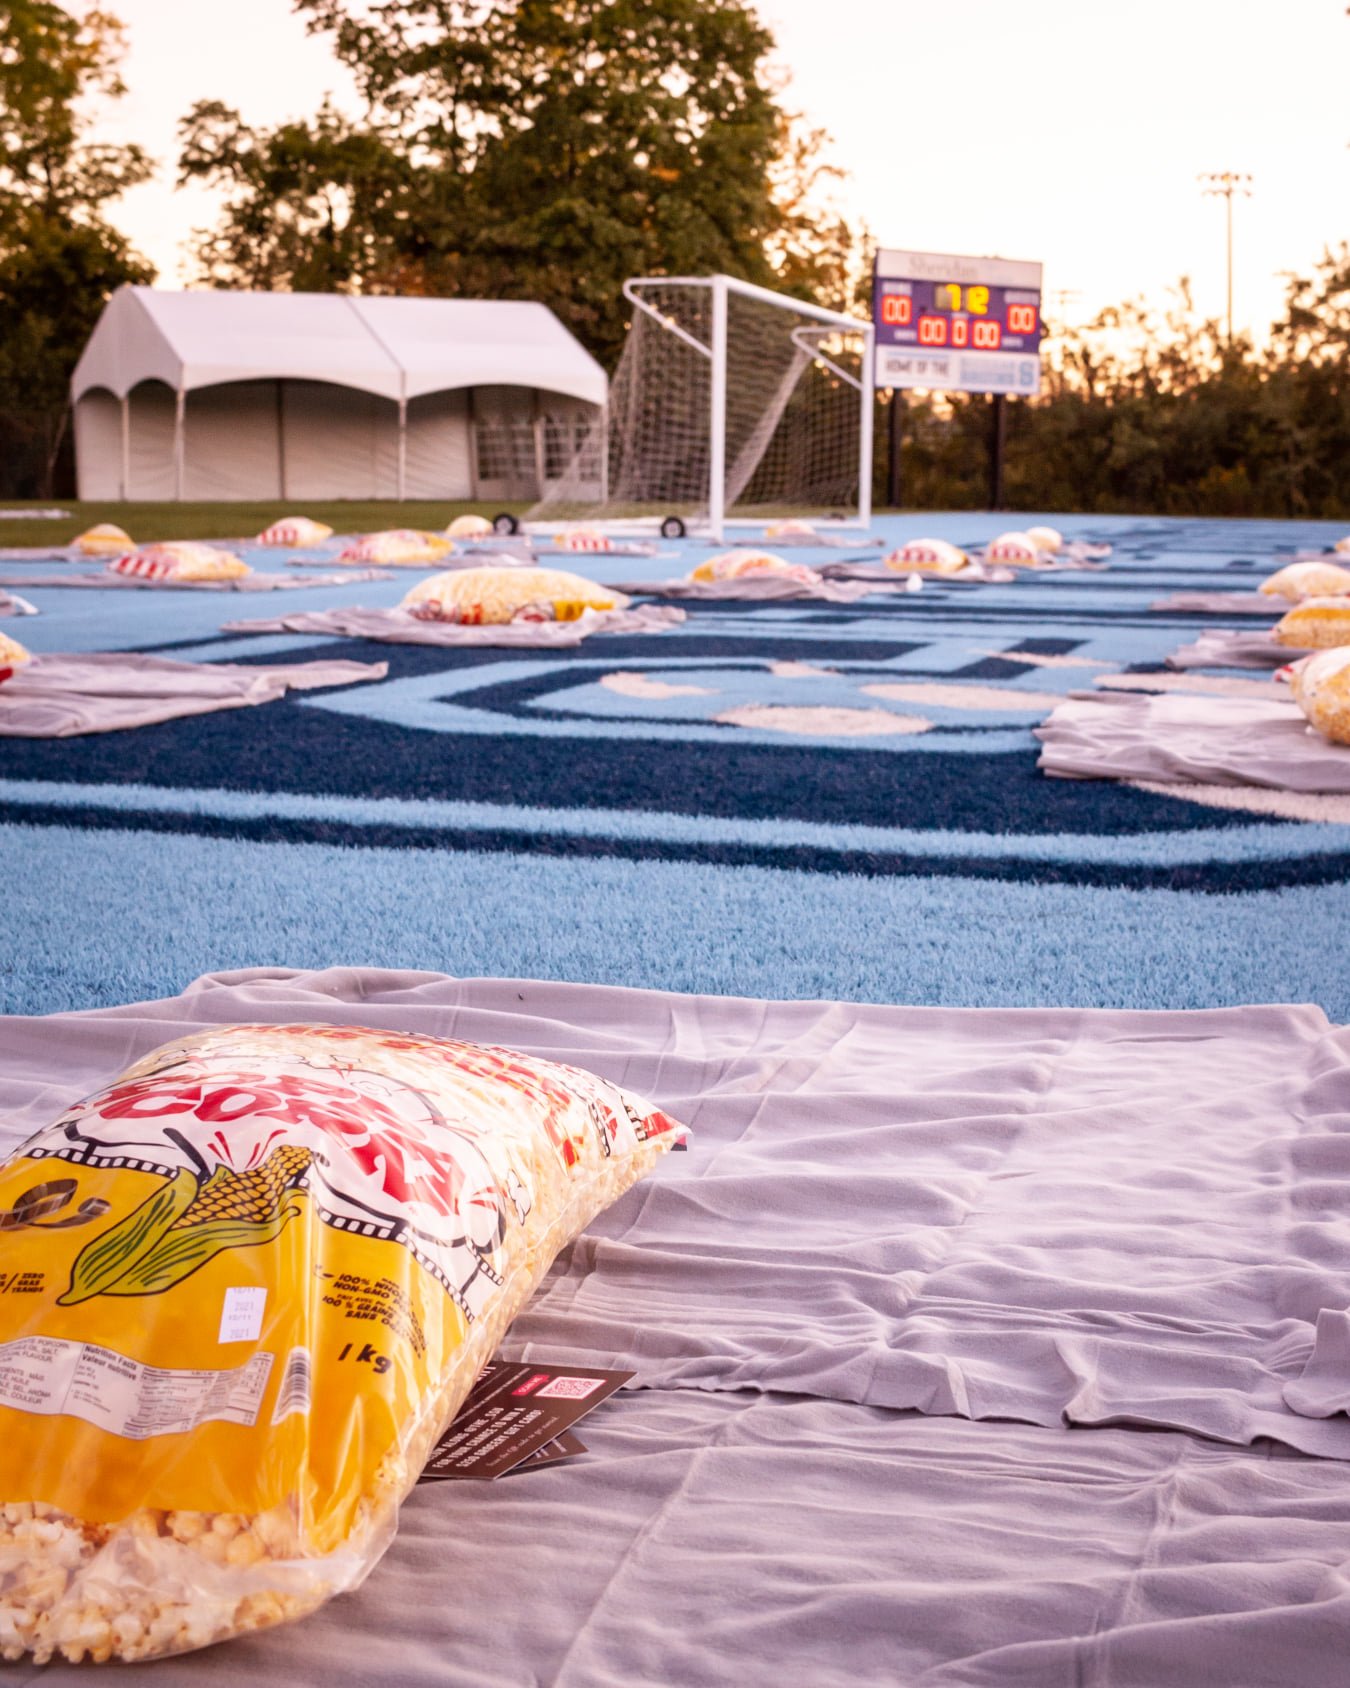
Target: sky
(1068,131)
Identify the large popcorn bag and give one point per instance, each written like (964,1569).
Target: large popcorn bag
(245,1289)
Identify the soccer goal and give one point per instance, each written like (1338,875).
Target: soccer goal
(730,402)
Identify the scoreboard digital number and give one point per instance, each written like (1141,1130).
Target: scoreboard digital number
(954,324)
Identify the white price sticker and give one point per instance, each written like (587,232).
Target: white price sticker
(241,1315)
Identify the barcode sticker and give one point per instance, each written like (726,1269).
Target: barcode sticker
(295,1389)
(241,1314)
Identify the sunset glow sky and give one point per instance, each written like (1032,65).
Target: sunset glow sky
(1069,131)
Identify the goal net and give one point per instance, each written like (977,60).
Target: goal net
(729,401)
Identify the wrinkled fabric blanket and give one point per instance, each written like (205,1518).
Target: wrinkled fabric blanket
(61,696)
(1229,647)
(972,1348)
(248,583)
(1180,737)
(976,574)
(768,588)
(397,627)
(1222,603)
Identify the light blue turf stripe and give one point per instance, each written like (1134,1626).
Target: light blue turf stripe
(91,937)
(1261,841)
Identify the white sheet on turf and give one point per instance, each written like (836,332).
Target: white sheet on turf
(397,627)
(1039,1214)
(1234,647)
(1182,736)
(247,583)
(881,572)
(1221,603)
(61,696)
(890,1221)
(765,588)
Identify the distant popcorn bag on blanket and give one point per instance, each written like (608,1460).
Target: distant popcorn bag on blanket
(1314,624)
(493,596)
(181,560)
(753,565)
(1306,580)
(398,548)
(298,532)
(470,527)
(1018,549)
(254,1279)
(12,655)
(583,539)
(105,540)
(1047,539)
(1321,688)
(928,556)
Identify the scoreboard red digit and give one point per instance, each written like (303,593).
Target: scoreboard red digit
(956,324)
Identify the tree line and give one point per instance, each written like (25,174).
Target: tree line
(549,149)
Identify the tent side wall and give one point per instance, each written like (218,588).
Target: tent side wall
(98,446)
(440,447)
(292,440)
(335,442)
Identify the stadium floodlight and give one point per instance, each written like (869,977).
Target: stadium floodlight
(728,398)
(1223,184)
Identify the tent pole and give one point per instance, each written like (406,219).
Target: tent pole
(180,406)
(402,448)
(474,493)
(538,446)
(126,447)
(281,439)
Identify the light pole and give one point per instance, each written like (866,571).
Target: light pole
(1223,184)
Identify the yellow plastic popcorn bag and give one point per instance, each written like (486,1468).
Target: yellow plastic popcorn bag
(492,596)
(12,655)
(245,1289)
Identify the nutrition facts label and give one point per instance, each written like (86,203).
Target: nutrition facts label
(40,1374)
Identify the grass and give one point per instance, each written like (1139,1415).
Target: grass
(145,522)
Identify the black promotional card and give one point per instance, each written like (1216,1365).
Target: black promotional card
(516,1414)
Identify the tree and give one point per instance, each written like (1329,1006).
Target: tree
(59,258)
(542,149)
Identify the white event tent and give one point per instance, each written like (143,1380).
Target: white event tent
(217,395)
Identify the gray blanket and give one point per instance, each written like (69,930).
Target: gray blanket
(769,588)
(1222,603)
(397,627)
(896,1230)
(883,572)
(61,696)
(1181,737)
(1230,647)
(247,583)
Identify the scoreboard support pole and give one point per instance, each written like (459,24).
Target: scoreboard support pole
(998,439)
(894,442)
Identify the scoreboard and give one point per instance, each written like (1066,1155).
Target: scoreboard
(957,325)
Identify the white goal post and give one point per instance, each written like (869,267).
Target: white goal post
(728,396)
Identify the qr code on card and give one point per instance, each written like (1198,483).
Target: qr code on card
(571,1388)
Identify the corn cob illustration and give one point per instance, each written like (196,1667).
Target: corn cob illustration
(187,1222)
(246,1197)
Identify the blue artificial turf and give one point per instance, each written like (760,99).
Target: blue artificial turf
(118,916)
(486,811)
